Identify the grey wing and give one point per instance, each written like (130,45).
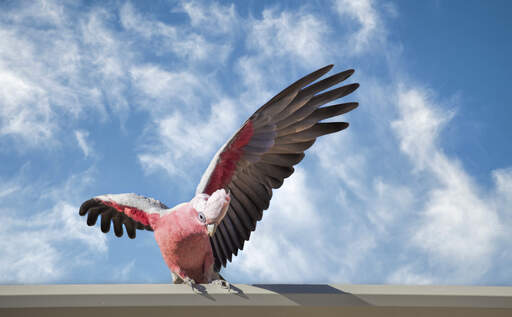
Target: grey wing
(263,152)
(129,210)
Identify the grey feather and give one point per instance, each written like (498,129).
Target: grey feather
(129,225)
(327,82)
(233,233)
(260,179)
(333,111)
(216,251)
(307,93)
(298,147)
(317,115)
(316,102)
(296,104)
(106,218)
(262,142)
(274,171)
(87,205)
(247,222)
(249,192)
(118,225)
(279,105)
(221,248)
(257,189)
(282,159)
(254,150)
(93,215)
(237,224)
(315,131)
(226,240)
(304,81)
(246,203)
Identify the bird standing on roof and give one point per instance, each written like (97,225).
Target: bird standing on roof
(197,238)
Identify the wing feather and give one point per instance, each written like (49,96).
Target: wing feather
(263,152)
(217,254)
(227,239)
(106,219)
(246,203)
(298,147)
(243,214)
(239,227)
(235,238)
(129,210)
(92,217)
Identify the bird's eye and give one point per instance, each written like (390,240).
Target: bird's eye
(201,217)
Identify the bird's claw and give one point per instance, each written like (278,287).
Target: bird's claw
(190,282)
(222,283)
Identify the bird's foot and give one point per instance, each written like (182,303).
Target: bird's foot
(195,287)
(222,283)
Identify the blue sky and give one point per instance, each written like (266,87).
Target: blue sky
(113,97)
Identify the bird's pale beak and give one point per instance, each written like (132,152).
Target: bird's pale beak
(211,228)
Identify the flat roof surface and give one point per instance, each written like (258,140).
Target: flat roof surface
(253,300)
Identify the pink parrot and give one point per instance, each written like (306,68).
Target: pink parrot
(198,237)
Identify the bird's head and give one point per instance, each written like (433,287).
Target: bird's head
(211,209)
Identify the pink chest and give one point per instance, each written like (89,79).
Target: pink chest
(184,243)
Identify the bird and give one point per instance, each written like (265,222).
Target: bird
(197,238)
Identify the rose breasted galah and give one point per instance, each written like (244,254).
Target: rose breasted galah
(198,237)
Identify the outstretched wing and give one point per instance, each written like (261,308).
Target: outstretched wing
(131,210)
(262,153)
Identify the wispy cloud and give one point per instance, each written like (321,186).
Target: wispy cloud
(379,202)
(48,244)
(182,40)
(81,138)
(273,254)
(458,224)
(185,140)
(217,18)
(370,28)
(294,34)
(45,71)
(124,273)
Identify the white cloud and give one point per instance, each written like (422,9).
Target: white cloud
(81,138)
(124,273)
(184,140)
(181,40)
(46,246)
(503,180)
(289,34)
(458,225)
(370,27)
(31,122)
(289,236)
(166,87)
(351,170)
(406,275)
(46,72)
(213,17)
(398,210)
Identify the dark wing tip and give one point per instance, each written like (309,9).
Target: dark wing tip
(326,68)
(331,127)
(86,205)
(318,73)
(352,87)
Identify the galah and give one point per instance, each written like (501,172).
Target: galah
(198,237)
